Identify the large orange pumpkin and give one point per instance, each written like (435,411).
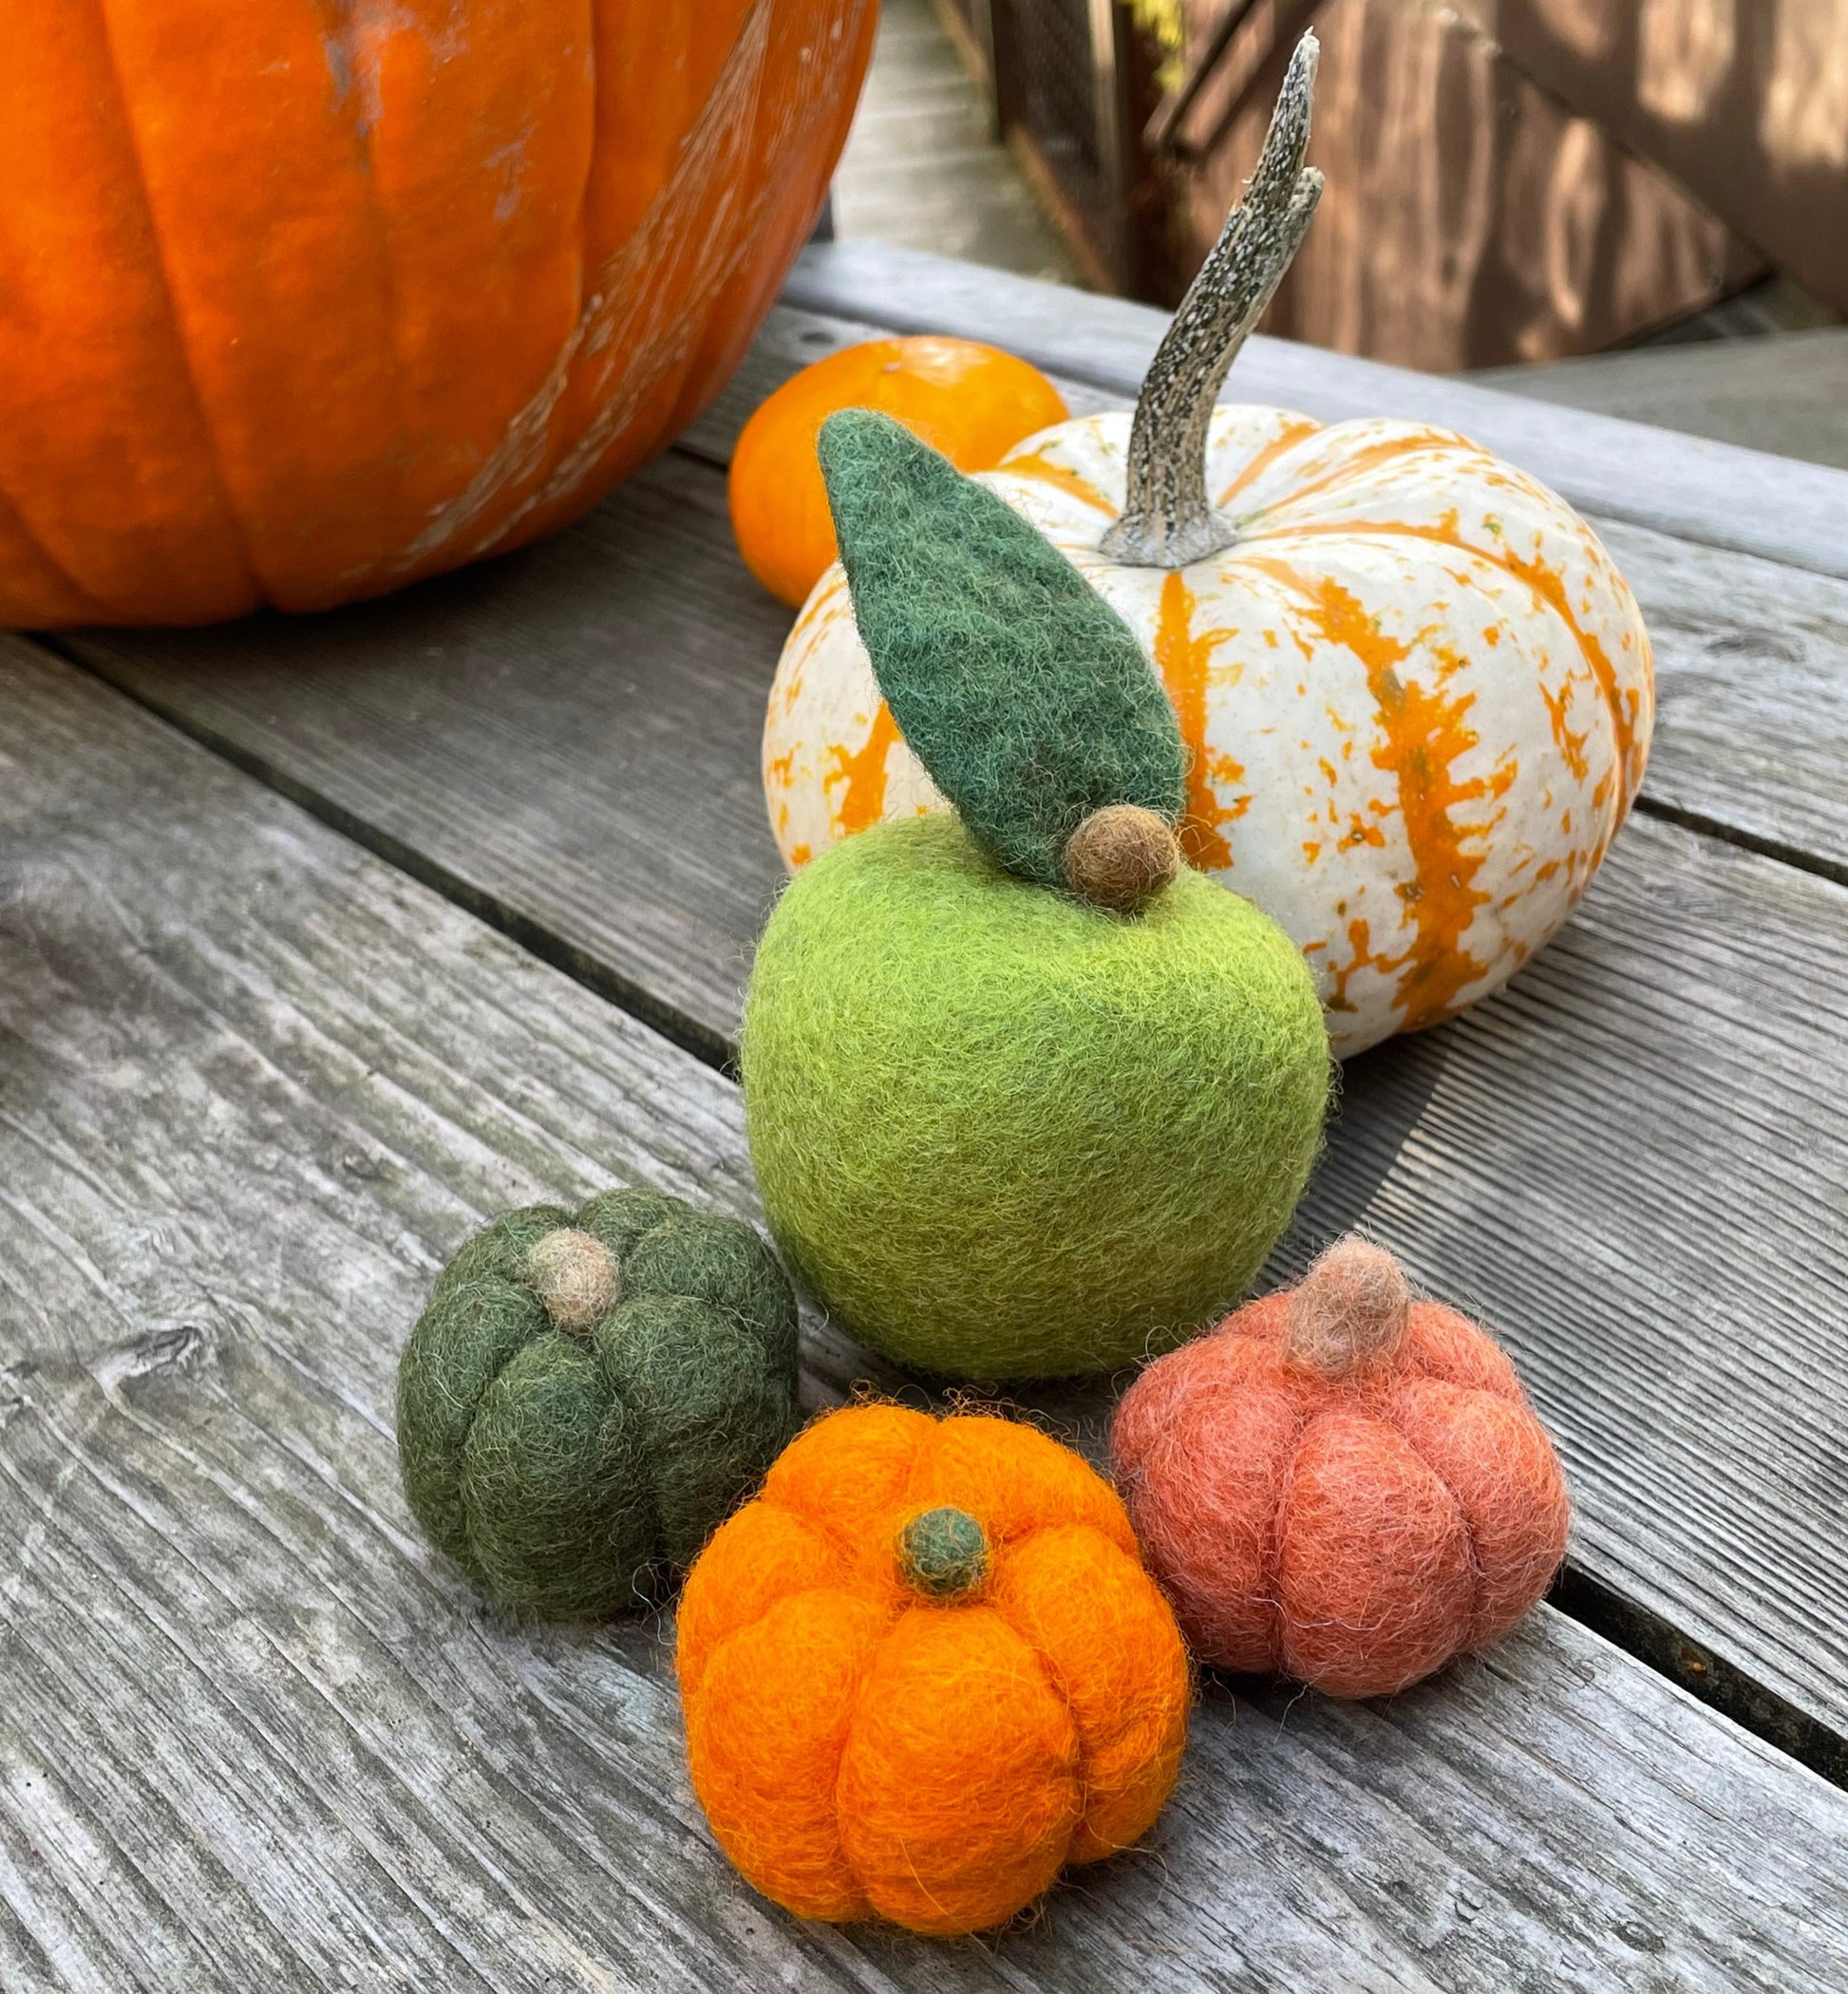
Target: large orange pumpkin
(924,1670)
(300,301)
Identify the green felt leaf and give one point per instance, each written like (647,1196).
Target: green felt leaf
(1012,680)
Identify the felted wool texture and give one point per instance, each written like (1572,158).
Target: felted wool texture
(1012,679)
(1002,1134)
(566,1471)
(1356,1531)
(863,1749)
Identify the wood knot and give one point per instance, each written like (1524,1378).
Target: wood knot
(576,1278)
(1122,857)
(1352,1309)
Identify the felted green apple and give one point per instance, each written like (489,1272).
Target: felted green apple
(1027,1096)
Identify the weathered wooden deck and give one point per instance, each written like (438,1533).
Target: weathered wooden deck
(321,940)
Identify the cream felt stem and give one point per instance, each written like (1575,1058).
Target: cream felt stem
(1167,520)
(1352,1309)
(576,1278)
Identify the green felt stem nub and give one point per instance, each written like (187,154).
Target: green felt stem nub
(944,1555)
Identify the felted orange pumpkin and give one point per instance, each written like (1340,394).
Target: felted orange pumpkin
(1417,692)
(973,402)
(924,1670)
(1341,1484)
(305,301)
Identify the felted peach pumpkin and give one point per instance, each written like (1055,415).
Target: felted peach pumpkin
(972,402)
(1416,691)
(924,1670)
(1341,1484)
(306,301)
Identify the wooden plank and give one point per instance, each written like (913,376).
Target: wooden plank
(253,1087)
(503,732)
(1786,392)
(1714,493)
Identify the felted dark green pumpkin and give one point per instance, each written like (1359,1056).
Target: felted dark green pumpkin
(1026,1096)
(586,1398)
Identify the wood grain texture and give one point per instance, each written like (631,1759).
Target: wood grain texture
(1751,725)
(1713,493)
(571,729)
(253,1087)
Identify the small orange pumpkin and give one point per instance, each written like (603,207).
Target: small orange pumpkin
(973,402)
(926,1669)
(1342,1484)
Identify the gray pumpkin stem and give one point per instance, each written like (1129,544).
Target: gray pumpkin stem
(1167,520)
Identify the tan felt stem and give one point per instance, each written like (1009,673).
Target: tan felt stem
(1352,1309)
(575,1276)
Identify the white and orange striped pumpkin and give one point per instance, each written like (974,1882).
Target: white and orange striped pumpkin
(1417,690)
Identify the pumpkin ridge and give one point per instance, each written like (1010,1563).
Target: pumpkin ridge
(82,603)
(1365,1409)
(1279,1528)
(1434,971)
(1073,1770)
(208,439)
(539,462)
(1549,591)
(1386,1413)
(1037,466)
(1369,458)
(1259,462)
(1055,1679)
(846,1535)
(732,116)
(1184,663)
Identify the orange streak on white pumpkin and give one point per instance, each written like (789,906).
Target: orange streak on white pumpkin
(1261,460)
(1184,660)
(1571,745)
(1549,585)
(1423,734)
(862,799)
(1068,482)
(1358,464)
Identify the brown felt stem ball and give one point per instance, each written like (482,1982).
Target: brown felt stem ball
(1353,1309)
(1122,857)
(1341,1483)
